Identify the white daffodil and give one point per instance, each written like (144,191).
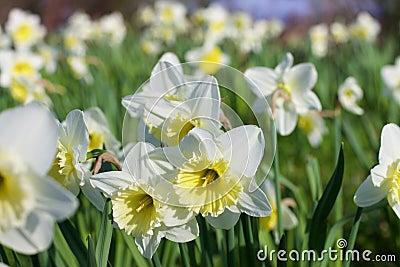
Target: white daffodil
(68,168)
(319,35)
(288,89)
(170,13)
(312,124)
(146,15)
(25,90)
(4,39)
(349,93)
(365,27)
(137,208)
(80,68)
(274,27)
(150,46)
(289,219)
(391,78)
(49,55)
(30,202)
(18,64)
(212,175)
(99,131)
(113,28)
(210,57)
(80,25)
(218,23)
(73,43)
(339,32)
(24,28)
(384,179)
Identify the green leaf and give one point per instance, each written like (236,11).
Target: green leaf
(71,235)
(104,237)
(130,242)
(282,246)
(318,224)
(91,254)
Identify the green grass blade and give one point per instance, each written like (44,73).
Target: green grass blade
(104,237)
(74,241)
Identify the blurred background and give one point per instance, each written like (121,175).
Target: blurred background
(299,13)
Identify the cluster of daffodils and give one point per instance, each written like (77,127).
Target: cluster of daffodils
(81,29)
(24,55)
(364,28)
(185,164)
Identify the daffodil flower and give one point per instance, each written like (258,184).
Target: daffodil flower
(289,90)
(68,168)
(99,132)
(365,27)
(349,93)
(313,125)
(24,28)
(210,57)
(384,179)
(391,78)
(212,175)
(30,202)
(137,207)
(319,35)
(269,223)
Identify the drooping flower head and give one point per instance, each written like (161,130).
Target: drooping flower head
(349,94)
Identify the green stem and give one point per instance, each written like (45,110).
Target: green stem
(353,234)
(278,192)
(204,242)
(184,255)
(231,247)
(248,237)
(156,260)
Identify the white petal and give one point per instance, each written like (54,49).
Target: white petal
(183,233)
(167,79)
(368,194)
(54,199)
(93,195)
(110,182)
(148,245)
(225,220)
(301,78)
(264,79)
(390,143)
(76,133)
(255,203)
(244,148)
(198,142)
(285,118)
(289,220)
(306,101)
(30,132)
(379,173)
(34,237)
(394,204)
(285,64)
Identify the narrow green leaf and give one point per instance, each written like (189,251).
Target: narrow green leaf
(74,241)
(318,224)
(130,242)
(91,255)
(282,246)
(104,237)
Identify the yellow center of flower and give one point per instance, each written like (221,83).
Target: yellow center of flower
(306,123)
(19,91)
(71,41)
(217,26)
(214,56)
(135,211)
(16,198)
(23,33)
(285,88)
(63,166)
(167,14)
(176,128)
(96,141)
(393,174)
(348,92)
(269,223)
(209,190)
(23,68)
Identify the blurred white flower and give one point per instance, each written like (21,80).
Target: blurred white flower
(383,180)
(80,25)
(274,27)
(146,15)
(365,27)
(73,43)
(312,124)
(25,90)
(319,36)
(149,46)
(210,57)
(170,13)
(136,207)
(349,93)
(113,28)
(24,28)
(99,131)
(30,201)
(339,32)
(391,78)
(68,168)
(288,89)
(49,55)
(270,223)
(211,175)
(5,41)
(80,68)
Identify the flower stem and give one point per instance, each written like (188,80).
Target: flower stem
(156,260)
(184,255)
(248,237)
(231,247)
(353,234)
(278,192)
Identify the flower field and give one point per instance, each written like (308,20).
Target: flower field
(205,138)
